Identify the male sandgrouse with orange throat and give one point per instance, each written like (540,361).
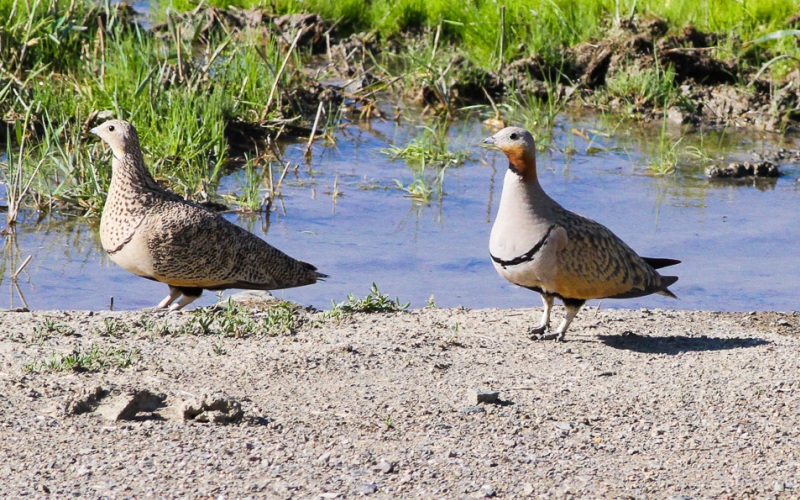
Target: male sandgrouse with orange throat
(158,235)
(537,244)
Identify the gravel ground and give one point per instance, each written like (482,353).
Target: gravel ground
(643,404)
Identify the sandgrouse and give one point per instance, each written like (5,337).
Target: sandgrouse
(158,235)
(537,244)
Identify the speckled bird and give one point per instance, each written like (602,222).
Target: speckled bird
(156,234)
(538,244)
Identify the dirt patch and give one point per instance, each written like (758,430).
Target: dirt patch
(426,403)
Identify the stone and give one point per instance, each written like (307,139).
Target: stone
(472,410)
(385,467)
(211,408)
(128,406)
(476,396)
(488,491)
(86,401)
(366,489)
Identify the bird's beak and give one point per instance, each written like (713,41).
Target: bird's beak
(489,140)
(95,131)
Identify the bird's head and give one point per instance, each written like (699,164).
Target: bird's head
(520,148)
(119,135)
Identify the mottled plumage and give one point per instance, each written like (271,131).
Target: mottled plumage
(537,244)
(158,235)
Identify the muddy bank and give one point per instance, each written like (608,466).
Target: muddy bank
(641,68)
(714,88)
(636,403)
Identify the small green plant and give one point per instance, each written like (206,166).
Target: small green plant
(250,199)
(424,187)
(430,148)
(218,349)
(95,359)
(112,327)
(148,324)
(233,320)
(228,320)
(643,86)
(50,326)
(536,114)
(431,303)
(666,159)
(280,319)
(374,302)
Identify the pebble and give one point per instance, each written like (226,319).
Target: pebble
(707,401)
(472,410)
(385,467)
(128,406)
(476,396)
(488,491)
(366,489)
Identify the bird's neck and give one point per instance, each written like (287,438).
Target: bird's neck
(522,163)
(129,172)
(523,196)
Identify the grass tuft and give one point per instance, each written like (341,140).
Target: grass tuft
(374,302)
(95,359)
(233,320)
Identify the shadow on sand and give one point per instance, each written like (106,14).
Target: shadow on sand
(676,344)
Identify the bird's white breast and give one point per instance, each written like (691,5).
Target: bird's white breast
(135,256)
(521,224)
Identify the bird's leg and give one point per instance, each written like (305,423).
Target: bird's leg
(547,305)
(190,294)
(174,293)
(573,306)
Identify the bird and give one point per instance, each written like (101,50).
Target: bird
(157,234)
(538,244)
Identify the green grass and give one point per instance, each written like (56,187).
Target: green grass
(541,26)
(428,156)
(93,359)
(64,61)
(179,102)
(431,148)
(233,320)
(374,302)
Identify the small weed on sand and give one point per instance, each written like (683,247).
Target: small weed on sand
(233,320)
(374,302)
(95,359)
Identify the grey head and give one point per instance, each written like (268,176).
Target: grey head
(120,136)
(518,145)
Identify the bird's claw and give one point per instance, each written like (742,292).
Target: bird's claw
(537,330)
(540,334)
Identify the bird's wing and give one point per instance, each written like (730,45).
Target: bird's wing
(592,262)
(193,246)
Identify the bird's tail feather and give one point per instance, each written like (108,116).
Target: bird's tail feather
(658,263)
(666,281)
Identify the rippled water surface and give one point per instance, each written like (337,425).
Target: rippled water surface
(738,243)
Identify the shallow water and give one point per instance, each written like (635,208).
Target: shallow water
(738,243)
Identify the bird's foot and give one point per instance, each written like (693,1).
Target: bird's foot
(537,330)
(541,334)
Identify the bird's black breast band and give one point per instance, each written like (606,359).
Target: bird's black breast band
(527,256)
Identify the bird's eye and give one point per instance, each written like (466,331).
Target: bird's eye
(111,128)
(514,136)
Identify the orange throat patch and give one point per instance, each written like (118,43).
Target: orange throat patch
(521,161)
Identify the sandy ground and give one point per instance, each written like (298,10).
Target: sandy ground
(643,404)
